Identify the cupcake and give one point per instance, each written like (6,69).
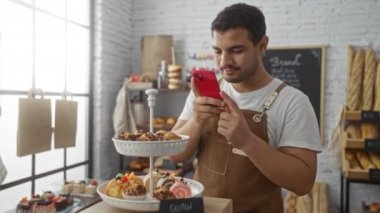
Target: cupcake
(91,187)
(134,191)
(163,193)
(79,188)
(68,186)
(24,206)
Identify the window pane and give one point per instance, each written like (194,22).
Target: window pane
(76,174)
(50,53)
(79,11)
(15,46)
(56,7)
(49,183)
(18,167)
(10,197)
(78,56)
(78,153)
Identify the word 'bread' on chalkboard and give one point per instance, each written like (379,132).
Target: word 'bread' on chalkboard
(301,68)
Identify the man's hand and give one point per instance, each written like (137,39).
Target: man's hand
(232,124)
(205,107)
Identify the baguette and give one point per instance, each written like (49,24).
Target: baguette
(375,158)
(376,105)
(369,130)
(290,202)
(353,161)
(315,193)
(364,160)
(368,79)
(324,205)
(304,203)
(355,81)
(353,131)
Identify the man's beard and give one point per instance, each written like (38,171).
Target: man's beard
(241,75)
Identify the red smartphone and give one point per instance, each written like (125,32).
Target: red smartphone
(206,83)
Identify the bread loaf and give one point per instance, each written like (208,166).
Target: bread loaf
(304,204)
(324,204)
(368,79)
(375,158)
(355,81)
(353,161)
(315,194)
(353,131)
(364,160)
(369,130)
(290,202)
(376,105)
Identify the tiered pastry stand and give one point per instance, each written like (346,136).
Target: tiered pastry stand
(148,149)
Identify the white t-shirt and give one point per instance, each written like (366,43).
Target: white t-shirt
(291,120)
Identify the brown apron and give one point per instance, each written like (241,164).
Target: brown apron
(228,173)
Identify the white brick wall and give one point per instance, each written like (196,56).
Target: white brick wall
(112,46)
(335,23)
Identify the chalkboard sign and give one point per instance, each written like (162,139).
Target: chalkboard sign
(301,68)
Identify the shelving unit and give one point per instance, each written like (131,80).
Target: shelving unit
(360,176)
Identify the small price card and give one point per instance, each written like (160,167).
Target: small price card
(188,205)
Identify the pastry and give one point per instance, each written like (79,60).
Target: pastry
(91,187)
(180,189)
(24,206)
(162,193)
(135,191)
(171,121)
(171,136)
(156,177)
(79,188)
(68,186)
(114,188)
(353,161)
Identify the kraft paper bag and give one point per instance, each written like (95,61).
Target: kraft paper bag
(34,126)
(155,49)
(65,128)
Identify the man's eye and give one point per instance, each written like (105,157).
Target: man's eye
(237,50)
(218,52)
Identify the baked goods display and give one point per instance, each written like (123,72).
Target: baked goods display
(47,202)
(131,192)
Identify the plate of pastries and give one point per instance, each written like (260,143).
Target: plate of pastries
(144,143)
(129,191)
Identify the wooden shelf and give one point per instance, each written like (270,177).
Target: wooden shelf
(352,115)
(355,143)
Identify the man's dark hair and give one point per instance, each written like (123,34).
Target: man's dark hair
(241,16)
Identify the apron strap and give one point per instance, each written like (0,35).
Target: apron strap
(268,103)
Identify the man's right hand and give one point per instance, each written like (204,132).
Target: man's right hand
(205,108)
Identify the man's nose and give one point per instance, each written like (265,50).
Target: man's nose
(225,59)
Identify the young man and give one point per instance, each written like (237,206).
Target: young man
(262,136)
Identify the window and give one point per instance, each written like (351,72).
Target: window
(46,45)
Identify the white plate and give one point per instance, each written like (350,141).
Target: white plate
(148,204)
(150,148)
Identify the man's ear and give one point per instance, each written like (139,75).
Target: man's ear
(263,44)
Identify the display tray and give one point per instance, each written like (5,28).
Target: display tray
(150,148)
(149,204)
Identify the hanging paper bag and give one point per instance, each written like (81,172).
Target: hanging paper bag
(34,126)
(65,128)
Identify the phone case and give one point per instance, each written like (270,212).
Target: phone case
(206,84)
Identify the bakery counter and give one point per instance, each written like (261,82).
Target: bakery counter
(211,205)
